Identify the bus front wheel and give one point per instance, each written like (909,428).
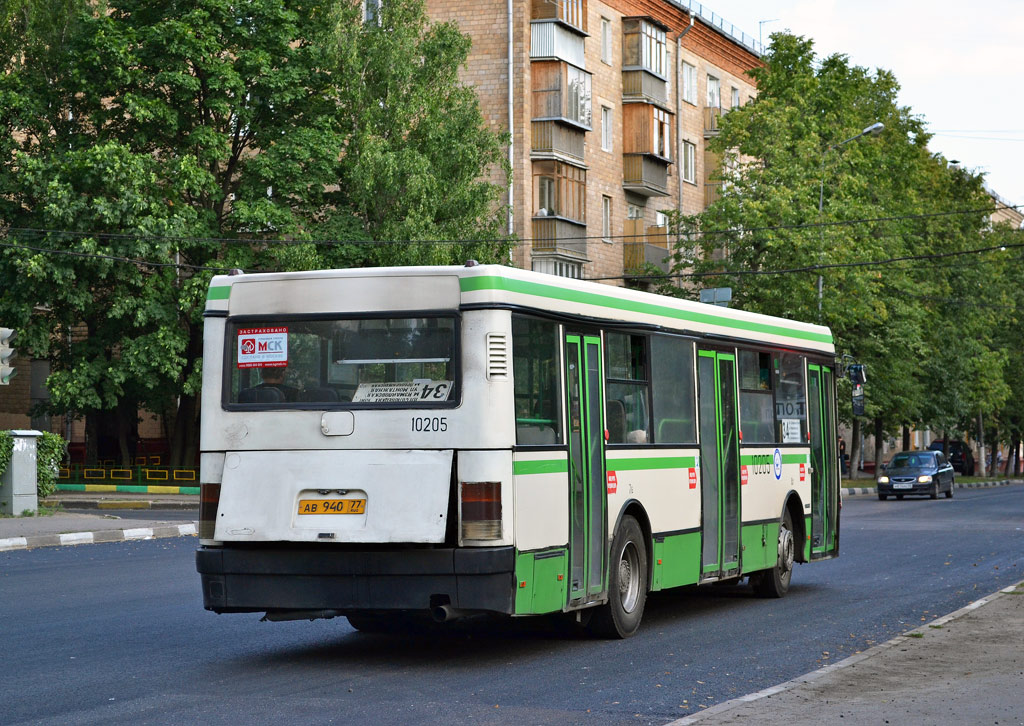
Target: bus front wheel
(775,582)
(627,584)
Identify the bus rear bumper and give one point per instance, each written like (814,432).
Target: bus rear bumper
(281,579)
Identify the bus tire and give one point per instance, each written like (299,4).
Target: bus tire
(775,582)
(627,584)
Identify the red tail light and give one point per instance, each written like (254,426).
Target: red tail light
(481,509)
(209,500)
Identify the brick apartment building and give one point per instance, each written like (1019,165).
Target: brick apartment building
(611,104)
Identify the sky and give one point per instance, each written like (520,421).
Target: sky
(960,66)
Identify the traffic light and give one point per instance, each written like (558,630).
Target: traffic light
(7,371)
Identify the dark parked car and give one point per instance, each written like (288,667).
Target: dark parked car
(960,456)
(916,472)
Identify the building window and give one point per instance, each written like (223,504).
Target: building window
(572,12)
(735,97)
(561,190)
(562,268)
(652,54)
(371,11)
(689,162)
(661,131)
(690,83)
(634,211)
(606,218)
(714,92)
(578,96)
(606,128)
(606,41)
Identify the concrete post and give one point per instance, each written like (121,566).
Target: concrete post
(18,491)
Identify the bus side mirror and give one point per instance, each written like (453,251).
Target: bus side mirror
(857,374)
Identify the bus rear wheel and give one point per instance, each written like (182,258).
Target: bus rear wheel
(775,582)
(627,584)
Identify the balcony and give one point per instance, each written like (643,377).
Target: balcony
(712,193)
(642,85)
(571,12)
(712,118)
(551,140)
(645,247)
(644,175)
(550,40)
(561,92)
(561,237)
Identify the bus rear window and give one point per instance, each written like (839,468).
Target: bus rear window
(366,362)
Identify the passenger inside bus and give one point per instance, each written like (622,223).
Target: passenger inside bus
(274,378)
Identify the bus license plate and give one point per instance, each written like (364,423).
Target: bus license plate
(332,506)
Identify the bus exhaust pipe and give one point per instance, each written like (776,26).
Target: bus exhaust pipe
(446,613)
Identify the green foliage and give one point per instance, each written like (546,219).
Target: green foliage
(203,133)
(50,452)
(6,449)
(801,181)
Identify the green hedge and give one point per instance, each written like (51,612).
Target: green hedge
(50,450)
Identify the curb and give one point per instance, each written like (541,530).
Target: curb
(853,491)
(106,535)
(129,489)
(119,504)
(721,708)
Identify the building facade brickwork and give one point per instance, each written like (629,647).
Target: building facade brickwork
(587,200)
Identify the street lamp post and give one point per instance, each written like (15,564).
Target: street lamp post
(873,130)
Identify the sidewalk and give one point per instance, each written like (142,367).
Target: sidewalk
(964,668)
(77,527)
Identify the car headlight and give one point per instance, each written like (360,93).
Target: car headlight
(883,480)
(924,478)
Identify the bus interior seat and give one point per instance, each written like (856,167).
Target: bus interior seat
(260,394)
(615,412)
(673,431)
(533,435)
(322,394)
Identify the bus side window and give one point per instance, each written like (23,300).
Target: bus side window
(535,374)
(672,390)
(790,402)
(626,371)
(757,420)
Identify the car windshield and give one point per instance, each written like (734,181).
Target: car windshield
(906,461)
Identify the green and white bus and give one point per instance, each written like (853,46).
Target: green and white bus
(378,443)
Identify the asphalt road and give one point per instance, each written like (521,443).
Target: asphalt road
(116,633)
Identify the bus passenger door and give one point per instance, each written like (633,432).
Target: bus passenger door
(824,466)
(584,378)
(719,464)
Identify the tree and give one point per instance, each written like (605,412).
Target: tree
(808,193)
(211,135)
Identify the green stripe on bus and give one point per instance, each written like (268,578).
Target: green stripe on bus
(661,462)
(547,466)
(493,282)
(219,292)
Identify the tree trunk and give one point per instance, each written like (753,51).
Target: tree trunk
(878,445)
(981,466)
(855,449)
(906,437)
(184,439)
(127,413)
(92,437)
